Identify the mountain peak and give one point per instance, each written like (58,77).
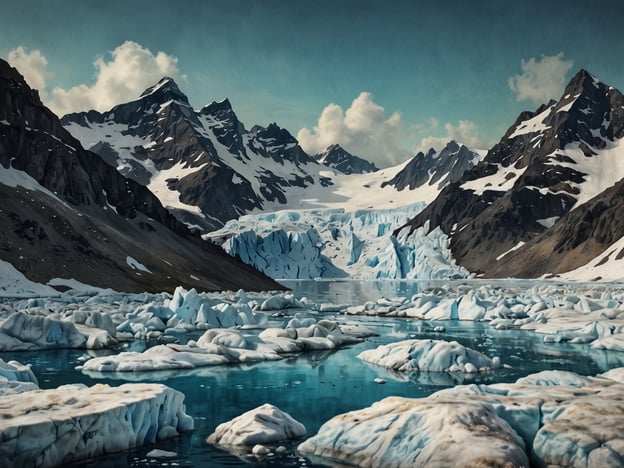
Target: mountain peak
(166,89)
(218,108)
(336,157)
(582,81)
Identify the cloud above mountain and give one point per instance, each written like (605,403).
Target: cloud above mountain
(465,132)
(542,79)
(364,129)
(121,76)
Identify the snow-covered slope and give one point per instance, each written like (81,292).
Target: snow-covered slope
(549,162)
(333,243)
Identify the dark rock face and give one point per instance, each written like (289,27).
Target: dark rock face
(68,213)
(581,235)
(532,177)
(215,168)
(336,157)
(435,168)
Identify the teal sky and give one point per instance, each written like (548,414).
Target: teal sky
(285,61)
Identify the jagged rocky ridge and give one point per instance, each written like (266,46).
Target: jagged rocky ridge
(436,168)
(336,157)
(67,213)
(203,165)
(530,192)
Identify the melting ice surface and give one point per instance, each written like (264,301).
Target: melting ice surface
(314,387)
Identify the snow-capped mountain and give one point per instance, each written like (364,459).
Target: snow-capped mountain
(336,157)
(436,168)
(548,163)
(68,215)
(203,165)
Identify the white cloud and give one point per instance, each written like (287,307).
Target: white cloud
(465,132)
(364,129)
(32,65)
(541,80)
(130,69)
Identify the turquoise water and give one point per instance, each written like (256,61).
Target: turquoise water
(316,386)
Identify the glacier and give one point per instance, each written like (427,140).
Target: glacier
(335,243)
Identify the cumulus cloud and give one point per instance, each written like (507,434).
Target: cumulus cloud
(465,132)
(120,77)
(131,69)
(32,65)
(364,129)
(541,80)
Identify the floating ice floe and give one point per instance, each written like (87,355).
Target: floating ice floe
(266,424)
(229,346)
(21,332)
(518,424)
(429,356)
(100,320)
(561,313)
(55,427)
(16,378)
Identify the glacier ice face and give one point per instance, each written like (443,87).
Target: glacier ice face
(488,425)
(334,243)
(60,426)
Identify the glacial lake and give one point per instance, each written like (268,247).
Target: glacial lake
(314,387)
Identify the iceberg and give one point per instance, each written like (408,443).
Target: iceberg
(55,427)
(21,332)
(578,314)
(266,424)
(429,356)
(572,421)
(230,346)
(16,377)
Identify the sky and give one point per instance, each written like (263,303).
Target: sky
(384,79)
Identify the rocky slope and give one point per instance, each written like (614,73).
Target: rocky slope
(520,196)
(67,213)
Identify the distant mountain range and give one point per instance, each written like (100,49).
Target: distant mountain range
(68,214)
(544,200)
(207,169)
